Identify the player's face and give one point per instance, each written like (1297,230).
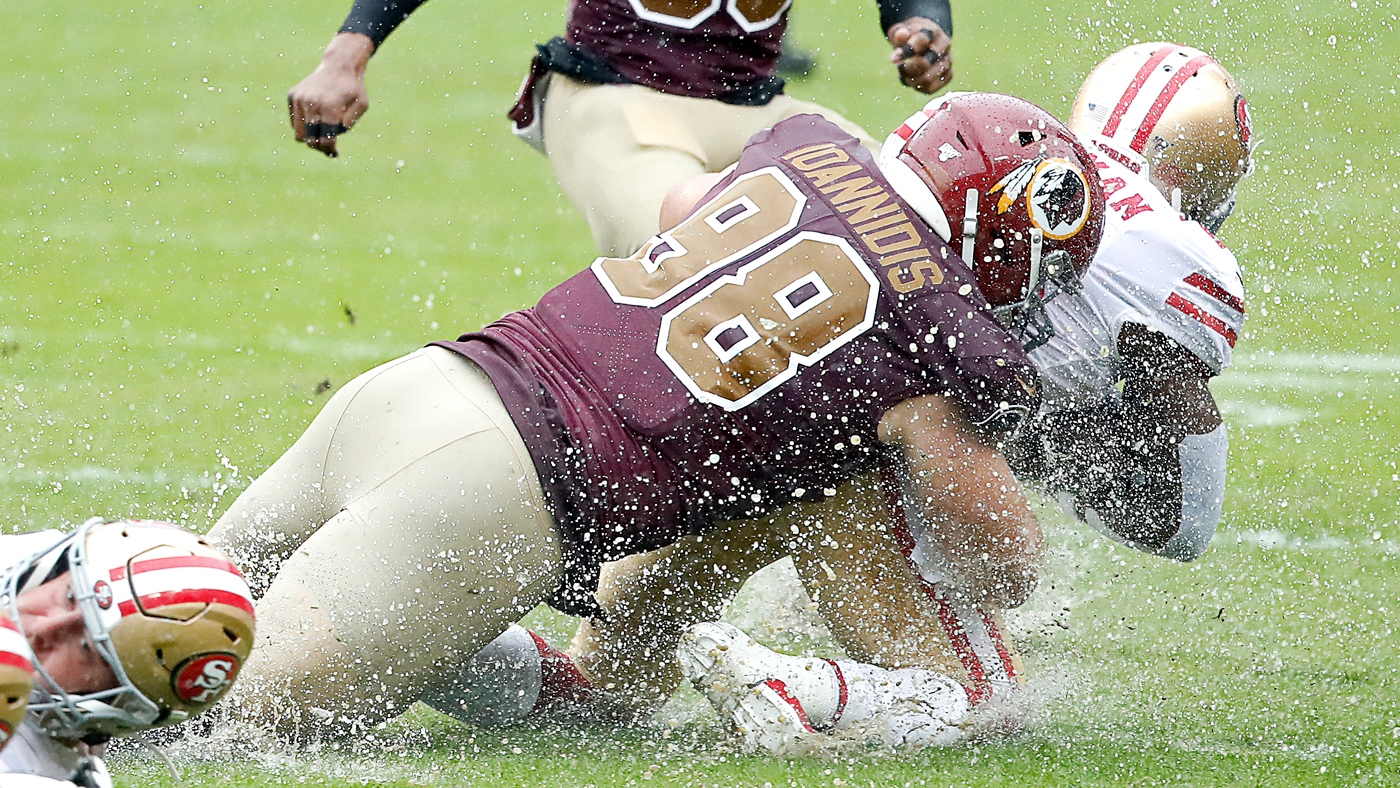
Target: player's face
(50,617)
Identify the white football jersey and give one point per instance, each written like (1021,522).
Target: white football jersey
(1153,267)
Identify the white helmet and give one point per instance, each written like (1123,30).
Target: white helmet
(16,679)
(171,616)
(1176,113)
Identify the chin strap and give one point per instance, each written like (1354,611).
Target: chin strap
(969,228)
(1037,245)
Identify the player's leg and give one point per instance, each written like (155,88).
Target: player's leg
(940,658)
(441,540)
(650,599)
(616,150)
(303,489)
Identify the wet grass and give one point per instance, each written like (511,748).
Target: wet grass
(180,285)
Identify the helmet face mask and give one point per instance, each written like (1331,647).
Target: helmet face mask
(1029,197)
(169,615)
(1179,118)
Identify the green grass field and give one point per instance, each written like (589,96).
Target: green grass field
(178,279)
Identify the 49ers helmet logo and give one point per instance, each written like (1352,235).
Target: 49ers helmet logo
(102,594)
(204,677)
(1242,118)
(5,732)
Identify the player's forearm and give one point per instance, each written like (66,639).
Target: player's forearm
(349,52)
(378,18)
(892,12)
(981,521)
(987,532)
(867,591)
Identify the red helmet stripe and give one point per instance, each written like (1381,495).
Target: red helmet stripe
(173,562)
(14,649)
(206,596)
(1208,320)
(1213,289)
(1154,113)
(16,661)
(1111,127)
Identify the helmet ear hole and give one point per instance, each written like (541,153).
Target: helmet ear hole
(232,636)
(160,655)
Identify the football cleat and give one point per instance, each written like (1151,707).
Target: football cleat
(1027,193)
(721,661)
(769,719)
(16,679)
(1176,115)
(170,615)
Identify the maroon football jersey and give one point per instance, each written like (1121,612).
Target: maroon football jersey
(745,358)
(698,48)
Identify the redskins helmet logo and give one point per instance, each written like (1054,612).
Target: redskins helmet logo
(1058,198)
(204,677)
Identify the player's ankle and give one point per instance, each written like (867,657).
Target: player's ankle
(562,684)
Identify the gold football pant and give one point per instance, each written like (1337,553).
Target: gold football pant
(617,149)
(406,529)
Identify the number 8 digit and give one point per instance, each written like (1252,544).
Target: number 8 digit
(747,333)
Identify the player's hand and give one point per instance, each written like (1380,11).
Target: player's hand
(328,102)
(923,54)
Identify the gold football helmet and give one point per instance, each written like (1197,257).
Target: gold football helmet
(171,615)
(16,679)
(1177,113)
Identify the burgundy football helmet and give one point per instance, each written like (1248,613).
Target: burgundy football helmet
(1029,196)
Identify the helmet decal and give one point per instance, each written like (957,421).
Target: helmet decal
(1013,185)
(1243,119)
(202,678)
(1058,198)
(102,593)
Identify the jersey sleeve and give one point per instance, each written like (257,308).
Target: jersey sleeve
(1183,283)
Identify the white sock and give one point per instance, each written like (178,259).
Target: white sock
(814,683)
(907,706)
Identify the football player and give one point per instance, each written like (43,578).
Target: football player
(1151,457)
(641,93)
(132,625)
(1158,311)
(802,325)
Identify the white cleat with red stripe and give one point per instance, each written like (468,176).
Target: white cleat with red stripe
(786,705)
(769,719)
